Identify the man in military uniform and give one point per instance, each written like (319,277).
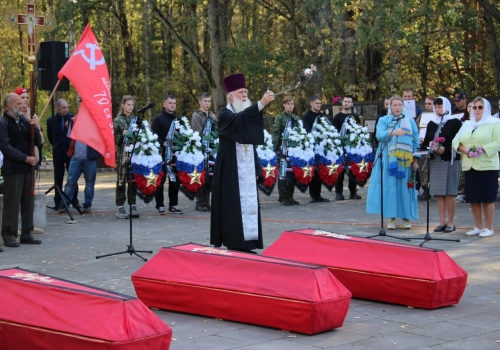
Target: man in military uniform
(200,122)
(284,121)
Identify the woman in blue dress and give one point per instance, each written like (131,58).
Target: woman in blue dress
(398,140)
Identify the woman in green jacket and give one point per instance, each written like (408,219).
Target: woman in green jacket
(479,143)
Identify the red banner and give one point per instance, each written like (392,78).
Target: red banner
(88,72)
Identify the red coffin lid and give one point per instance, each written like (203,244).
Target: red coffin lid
(205,266)
(43,301)
(361,254)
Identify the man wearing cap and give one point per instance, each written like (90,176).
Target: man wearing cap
(15,144)
(235,217)
(460,102)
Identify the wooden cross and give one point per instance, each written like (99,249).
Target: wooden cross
(32,22)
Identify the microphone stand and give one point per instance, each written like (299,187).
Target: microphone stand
(382,232)
(427,162)
(130,247)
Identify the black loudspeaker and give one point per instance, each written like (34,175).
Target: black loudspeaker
(51,57)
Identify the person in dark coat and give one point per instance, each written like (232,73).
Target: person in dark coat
(15,145)
(235,216)
(57,131)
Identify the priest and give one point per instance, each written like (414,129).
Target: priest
(235,217)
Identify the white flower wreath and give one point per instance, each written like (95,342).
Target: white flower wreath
(357,139)
(300,143)
(266,151)
(147,147)
(327,140)
(190,143)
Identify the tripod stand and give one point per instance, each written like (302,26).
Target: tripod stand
(63,195)
(382,232)
(428,236)
(130,247)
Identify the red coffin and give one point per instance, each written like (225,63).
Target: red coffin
(43,312)
(375,270)
(243,287)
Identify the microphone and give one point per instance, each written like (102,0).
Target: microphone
(399,118)
(146,107)
(445,113)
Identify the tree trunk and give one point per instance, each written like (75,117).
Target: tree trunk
(347,50)
(216,54)
(495,51)
(130,71)
(146,34)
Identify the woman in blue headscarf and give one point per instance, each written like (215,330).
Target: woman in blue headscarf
(398,140)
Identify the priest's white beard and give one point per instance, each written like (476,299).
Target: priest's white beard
(239,105)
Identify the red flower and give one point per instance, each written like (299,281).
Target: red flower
(361,175)
(185,180)
(299,175)
(270,180)
(324,176)
(142,182)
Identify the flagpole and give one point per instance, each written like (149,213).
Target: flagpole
(50,99)
(31,61)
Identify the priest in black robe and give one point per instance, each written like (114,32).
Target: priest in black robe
(235,217)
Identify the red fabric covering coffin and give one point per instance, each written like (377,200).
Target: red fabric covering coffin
(375,270)
(243,287)
(43,312)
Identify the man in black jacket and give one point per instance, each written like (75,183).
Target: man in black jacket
(338,120)
(163,126)
(308,122)
(15,144)
(57,131)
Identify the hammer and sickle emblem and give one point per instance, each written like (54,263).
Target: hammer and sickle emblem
(91,60)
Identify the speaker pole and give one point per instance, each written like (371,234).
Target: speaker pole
(50,99)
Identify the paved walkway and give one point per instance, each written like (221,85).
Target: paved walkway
(68,251)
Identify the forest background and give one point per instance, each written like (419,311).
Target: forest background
(364,48)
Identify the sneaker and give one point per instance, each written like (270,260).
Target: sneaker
(135,213)
(405,224)
(121,213)
(460,198)
(174,210)
(391,225)
(86,210)
(161,211)
(474,232)
(486,233)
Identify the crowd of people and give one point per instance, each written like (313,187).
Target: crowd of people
(462,162)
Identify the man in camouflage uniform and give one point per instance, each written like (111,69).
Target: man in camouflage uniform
(287,185)
(120,126)
(198,123)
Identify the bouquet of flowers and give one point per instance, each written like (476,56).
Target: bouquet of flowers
(301,155)
(359,152)
(329,154)
(269,163)
(438,141)
(337,100)
(412,181)
(146,160)
(190,161)
(474,151)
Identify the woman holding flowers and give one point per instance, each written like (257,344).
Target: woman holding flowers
(479,142)
(444,166)
(398,137)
